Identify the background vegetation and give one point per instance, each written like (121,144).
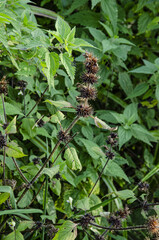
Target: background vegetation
(42,48)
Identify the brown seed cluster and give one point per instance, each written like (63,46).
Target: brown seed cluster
(3,86)
(87,90)
(62,136)
(153,226)
(86,219)
(22,84)
(2,141)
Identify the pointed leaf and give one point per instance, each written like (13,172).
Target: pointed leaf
(68,64)
(11,127)
(72,159)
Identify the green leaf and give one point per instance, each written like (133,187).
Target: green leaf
(59,104)
(122,51)
(27,129)
(15,235)
(68,64)
(9,190)
(142,134)
(125,194)
(67,231)
(157,92)
(76,4)
(110,9)
(78,42)
(95,2)
(11,127)
(26,199)
(149,68)
(90,146)
(87,132)
(62,28)
(97,34)
(125,83)
(140,89)
(124,136)
(51,171)
(13,150)
(83,204)
(143,21)
(3,197)
(72,159)
(113,169)
(19,211)
(130,113)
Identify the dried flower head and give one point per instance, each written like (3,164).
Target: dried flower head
(89,78)
(115,221)
(51,231)
(110,154)
(86,219)
(84,110)
(143,186)
(88,92)
(3,86)
(153,226)
(2,141)
(36,161)
(22,84)
(123,213)
(11,182)
(91,64)
(62,136)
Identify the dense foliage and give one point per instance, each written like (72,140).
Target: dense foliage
(79,92)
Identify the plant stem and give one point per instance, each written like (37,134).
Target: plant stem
(120,229)
(45,201)
(4,111)
(47,160)
(20,172)
(98,177)
(37,192)
(37,101)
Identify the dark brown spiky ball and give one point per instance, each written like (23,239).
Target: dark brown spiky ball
(153,225)
(89,78)
(62,136)
(87,92)
(2,141)
(84,110)
(86,219)
(3,86)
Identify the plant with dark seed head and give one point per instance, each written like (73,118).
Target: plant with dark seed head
(84,110)
(143,186)
(153,226)
(22,84)
(62,136)
(86,219)
(87,92)
(5,125)
(110,154)
(115,221)
(36,161)
(3,86)
(2,141)
(89,78)
(123,213)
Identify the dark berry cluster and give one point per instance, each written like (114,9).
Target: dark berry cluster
(2,141)
(36,161)
(11,182)
(86,219)
(3,86)
(62,136)
(115,221)
(143,186)
(22,84)
(112,139)
(87,91)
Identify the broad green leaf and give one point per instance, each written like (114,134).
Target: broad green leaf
(51,171)
(108,45)
(124,135)
(26,199)
(59,104)
(9,190)
(27,129)
(113,169)
(72,159)
(143,21)
(121,51)
(140,89)
(95,2)
(149,68)
(97,34)
(157,92)
(70,36)
(142,134)
(90,146)
(108,29)
(125,194)
(68,64)
(68,231)
(62,28)
(87,132)
(11,127)
(4,197)
(76,4)
(109,7)
(57,117)
(15,235)
(98,151)
(125,83)
(130,113)
(13,150)
(78,42)
(83,204)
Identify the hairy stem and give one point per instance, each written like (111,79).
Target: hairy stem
(20,172)
(120,229)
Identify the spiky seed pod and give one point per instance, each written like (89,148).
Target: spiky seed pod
(91,64)
(123,213)
(3,86)
(63,137)
(40,123)
(84,110)
(5,125)
(86,219)
(115,221)
(110,154)
(89,78)
(36,161)
(22,84)
(52,231)
(153,225)
(87,92)
(2,141)
(143,186)
(12,183)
